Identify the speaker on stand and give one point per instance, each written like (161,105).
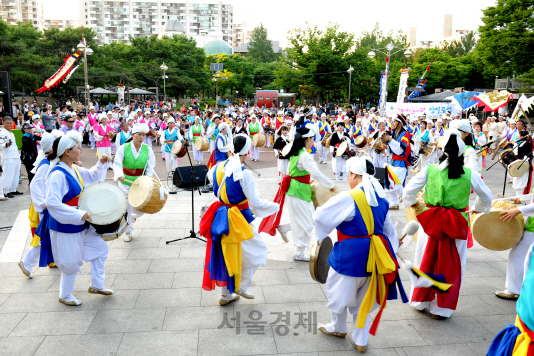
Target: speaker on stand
(5,95)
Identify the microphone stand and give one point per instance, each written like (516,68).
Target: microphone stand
(192,233)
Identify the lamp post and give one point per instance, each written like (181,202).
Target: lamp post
(164,68)
(372,55)
(83,48)
(350,70)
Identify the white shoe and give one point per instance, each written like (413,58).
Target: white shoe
(27,273)
(73,303)
(244,294)
(300,256)
(127,238)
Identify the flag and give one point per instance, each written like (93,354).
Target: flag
(60,74)
(466,99)
(493,101)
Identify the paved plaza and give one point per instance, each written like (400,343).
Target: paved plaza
(159,307)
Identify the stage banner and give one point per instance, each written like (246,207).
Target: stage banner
(380,94)
(431,110)
(403,85)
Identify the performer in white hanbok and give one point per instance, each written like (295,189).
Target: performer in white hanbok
(64,231)
(400,148)
(295,188)
(444,252)
(339,162)
(11,163)
(254,128)
(515,271)
(470,155)
(366,239)
(281,141)
(227,225)
(379,155)
(38,195)
(195,131)
(168,137)
(212,131)
(433,137)
(133,159)
(523,184)
(324,128)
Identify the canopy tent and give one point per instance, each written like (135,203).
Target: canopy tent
(444,96)
(101,91)
(138,91)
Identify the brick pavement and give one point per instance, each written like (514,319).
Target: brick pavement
(160,308)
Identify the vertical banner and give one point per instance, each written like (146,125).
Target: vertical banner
(380,94)
(403,85)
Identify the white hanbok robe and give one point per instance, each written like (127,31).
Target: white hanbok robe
(71,250)
(254,251)
(198,156)
(117,170)
(170,160)
(482,204)
(10,162)
(345,292)
(255,151)
(301,211)
(339,164)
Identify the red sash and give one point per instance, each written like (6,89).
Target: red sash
(441,256)
(133,172)
(73,201)
(270,223)
(341,236)
(254,133)
(196,134)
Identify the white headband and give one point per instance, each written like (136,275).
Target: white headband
(371,185)
(66,142)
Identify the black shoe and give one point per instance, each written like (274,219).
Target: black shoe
(16,193)
(9,195)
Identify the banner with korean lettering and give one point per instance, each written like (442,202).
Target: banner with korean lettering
(431,110)
(403,85)
(381,93)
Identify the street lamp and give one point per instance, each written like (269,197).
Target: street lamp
(164,68)
(83,48)
(372,55)
(350,70)
(508,76)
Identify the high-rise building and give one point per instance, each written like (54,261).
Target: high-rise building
(116,20)
(447,25)
(60,24)
(13,11)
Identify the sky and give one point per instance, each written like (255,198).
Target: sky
(356,16)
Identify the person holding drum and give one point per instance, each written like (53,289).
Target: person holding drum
(442,237)
(133,159)
(522,184)
(254,128)
(400,149)
(168,137)
(196,130)
(267,126)
(227,224)
(339,162)
(363,224)
(379,155)
(102,132)
(213,131)
(64,231)
(38,196)
(281,141)
(222,144)
(324,129)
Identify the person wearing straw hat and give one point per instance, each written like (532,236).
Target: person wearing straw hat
(168,137)
(195,131)
(133,159)
(366,243)
(442,238)
(38,196)
(235,249)
(66,237)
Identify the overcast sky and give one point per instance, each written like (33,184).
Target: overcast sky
(354,16)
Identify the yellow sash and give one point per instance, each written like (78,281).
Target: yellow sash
(522,342)
(379,261)
(34,222)
(239,230)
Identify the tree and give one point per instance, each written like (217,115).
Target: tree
(260,47)
(507,35)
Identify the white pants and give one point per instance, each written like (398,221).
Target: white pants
(113,148)
(322,151)
(71,250)
(379,160)
(253,254)
(397,189)
(198,155)
(32,256)
(254,152)
(515,271)
(212,145)
(11,174)
(148,141)
(171,161)
(519,183)
(132,213)
(340,166)
(105,151)
(423,163)
(283,165)
(347,292)
(267,140)
(301,220)
(422,240)
(92,140)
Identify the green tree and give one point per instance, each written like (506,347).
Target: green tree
(507,35)
(260,47)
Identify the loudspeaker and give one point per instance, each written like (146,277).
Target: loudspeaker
(380,174)
(182,176)
(5,98)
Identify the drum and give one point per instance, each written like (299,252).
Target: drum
(427,151)
(147,195)
(326,139)
(286,149)
(377,144)
(342,148)
(493,233)
(202,144)
(518,168)
(360,141)
(179,149)
(319,253)
(502,143)
(109,236)
(506,157)
(107,204)
(413,211)
(320,194)
(258,140)
(414,160)
(441,142)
